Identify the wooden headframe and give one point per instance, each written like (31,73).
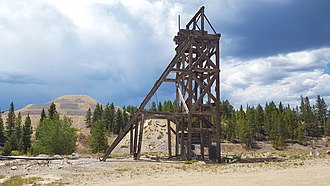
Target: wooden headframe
(196,68)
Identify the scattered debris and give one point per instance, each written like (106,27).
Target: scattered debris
(313,152)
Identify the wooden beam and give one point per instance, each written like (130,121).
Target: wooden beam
(169,138)
(140,137)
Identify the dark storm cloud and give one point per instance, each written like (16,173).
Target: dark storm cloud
(269,28)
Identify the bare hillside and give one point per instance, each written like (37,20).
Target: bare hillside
(73,106)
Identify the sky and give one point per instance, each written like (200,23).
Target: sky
(115,50)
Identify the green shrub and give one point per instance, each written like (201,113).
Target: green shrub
(55,137)
(15,153)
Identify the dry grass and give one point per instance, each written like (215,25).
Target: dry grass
(19,180)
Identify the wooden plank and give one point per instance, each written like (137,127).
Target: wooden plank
(140,137)
(30,158)
(169,138)
(135,138)
(131,150)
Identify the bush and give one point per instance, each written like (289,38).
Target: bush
(6,149)
(55,137)
(15,153)
(279,143)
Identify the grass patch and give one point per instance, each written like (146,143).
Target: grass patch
(2,176)
(18,181)
(190,161)
(122,170)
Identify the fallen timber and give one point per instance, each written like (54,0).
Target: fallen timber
(30,158)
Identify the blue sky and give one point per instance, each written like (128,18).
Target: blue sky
(114,50)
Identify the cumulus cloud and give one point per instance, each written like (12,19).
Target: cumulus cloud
(283,77)
(114,50)
(87,47)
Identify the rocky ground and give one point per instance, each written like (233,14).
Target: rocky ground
(297,169)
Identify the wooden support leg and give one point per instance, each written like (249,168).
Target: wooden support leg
(140,138)
(189,137)
(135,139)
(182,152)
(202,140)
(131,150)
(176,139)
(169,138)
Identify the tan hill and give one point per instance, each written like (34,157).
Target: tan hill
(73,106)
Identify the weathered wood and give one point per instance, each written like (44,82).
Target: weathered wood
(136,129)
(131,149)
(31,158)
(140,137)
(169,141)
(196,66)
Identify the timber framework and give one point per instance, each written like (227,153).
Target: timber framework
(195,71)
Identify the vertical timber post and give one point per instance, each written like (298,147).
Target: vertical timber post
(217,115)
(140,137)
(169,138)
(131,149)
(135,138)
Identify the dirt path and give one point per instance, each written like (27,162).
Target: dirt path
(316,172)
(89,171)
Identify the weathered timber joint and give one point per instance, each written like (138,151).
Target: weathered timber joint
(196,67)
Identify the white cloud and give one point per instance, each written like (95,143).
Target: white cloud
(277,78)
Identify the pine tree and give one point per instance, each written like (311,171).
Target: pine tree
(97,114)
(260,122)
(112,118)
(153,107)
(243,128)
(88,118)
(251,121)
(119,120)
(308,118)
(17,141)
(125,117)
(97,139)
(52,112)
(55,136)
(27,133)
(321,113)
(327,126)
(42,115)
(10,128)
(2,131)
(172,106)
(107,118)
(160,107)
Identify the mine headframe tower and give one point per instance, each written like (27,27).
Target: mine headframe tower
(196,68)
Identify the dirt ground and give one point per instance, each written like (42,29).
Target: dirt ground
(302,170)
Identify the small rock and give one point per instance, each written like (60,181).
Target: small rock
(60,167)
(313,152)
(57,156)
(328,152)
(13,167)
(43,155)
(200,163)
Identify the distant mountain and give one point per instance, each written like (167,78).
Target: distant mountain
(69,105)
(73,106)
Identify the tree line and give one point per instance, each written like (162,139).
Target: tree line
(53,135)
(278,123)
